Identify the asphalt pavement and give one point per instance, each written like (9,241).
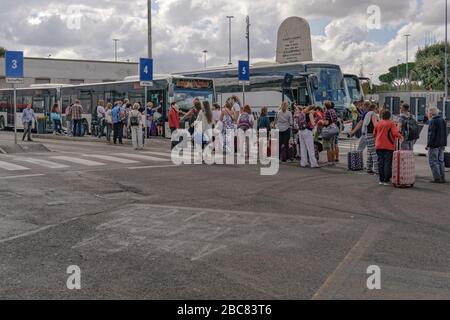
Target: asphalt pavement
(139,227)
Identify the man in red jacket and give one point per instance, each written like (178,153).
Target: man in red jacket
(386,135)
(174,120)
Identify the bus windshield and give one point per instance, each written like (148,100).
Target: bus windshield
(331,85)
(186,90)
(354,88)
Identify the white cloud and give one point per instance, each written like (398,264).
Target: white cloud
(182,29)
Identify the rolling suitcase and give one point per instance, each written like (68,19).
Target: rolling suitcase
(292,152)
(283,153)
(447,159)
(403,169)
(355,159)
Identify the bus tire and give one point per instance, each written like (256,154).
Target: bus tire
(2,124)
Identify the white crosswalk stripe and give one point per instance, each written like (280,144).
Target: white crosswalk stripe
(158,154)
(43,163)
(12,167)
(142,157)
(81,161)
(110,158)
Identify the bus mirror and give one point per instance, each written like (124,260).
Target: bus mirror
(315,82)
(171,91)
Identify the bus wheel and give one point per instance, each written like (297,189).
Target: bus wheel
(2,124)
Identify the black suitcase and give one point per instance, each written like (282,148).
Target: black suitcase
(447,159)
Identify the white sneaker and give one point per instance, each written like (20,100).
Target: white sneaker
(381,183)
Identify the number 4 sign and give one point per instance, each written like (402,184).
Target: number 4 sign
(146,71)
(14,66)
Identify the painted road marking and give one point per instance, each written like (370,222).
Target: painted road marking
(141,157)
(110,158)
(43,163)
(12,167)
(22,177)
(84,162)
(152,167)
(158,153)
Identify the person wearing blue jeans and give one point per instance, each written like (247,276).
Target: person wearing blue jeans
(437,141)
(76,127)
(437,164)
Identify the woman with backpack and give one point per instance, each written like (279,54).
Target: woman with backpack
(306,123)
(228,118)
(136,124)
(246,122)
(246,119)
(408,127)
(284,122)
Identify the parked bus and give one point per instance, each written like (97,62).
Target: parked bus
(353,86)
(321,82)
(165,88)
(41,97)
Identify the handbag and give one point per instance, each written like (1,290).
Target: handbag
(330,132)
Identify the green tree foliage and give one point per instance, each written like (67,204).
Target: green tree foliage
(398,77)
(430,66)
(2,52)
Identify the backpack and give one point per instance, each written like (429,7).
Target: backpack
(244,122)
(134,120)
(411,128)
(300,122)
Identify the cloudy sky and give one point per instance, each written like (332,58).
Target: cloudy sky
(182,29)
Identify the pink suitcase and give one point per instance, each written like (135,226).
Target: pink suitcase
(404,169)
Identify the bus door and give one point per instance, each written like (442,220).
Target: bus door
(8,100)
(440,106)
(418,106)
(393,105)
(160,109)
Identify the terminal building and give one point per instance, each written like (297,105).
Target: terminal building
(64,71)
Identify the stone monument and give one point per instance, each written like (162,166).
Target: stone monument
(294,41)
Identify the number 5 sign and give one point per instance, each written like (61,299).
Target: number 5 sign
(146,71)
(14,66)
(244,71)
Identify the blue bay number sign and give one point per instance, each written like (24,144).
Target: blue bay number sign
(244,71)
(14,66)
(146,71)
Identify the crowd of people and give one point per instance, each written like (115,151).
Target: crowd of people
(304,131)
(116,121)
(382,136)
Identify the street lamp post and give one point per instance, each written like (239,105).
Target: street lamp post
(149,22)
(446,60)
(115,49)
(247,20)
(407,60)
(230,18)
(398,74)
(205,53)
